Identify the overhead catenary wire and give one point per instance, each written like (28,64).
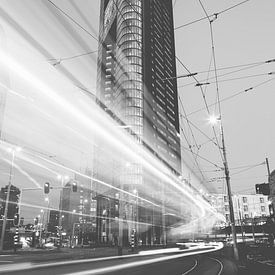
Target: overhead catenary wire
(206,105)
(225,74)
(196,127)
(201,157)
(240,78)
(249,168)
(234,95)
(73,20)
(214,15)
(59,60)
(190,147)
(246,65)
(191,131)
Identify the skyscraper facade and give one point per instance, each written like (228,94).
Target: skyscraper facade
(136,67)
(136,82)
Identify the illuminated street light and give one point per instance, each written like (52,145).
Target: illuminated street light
(213,119)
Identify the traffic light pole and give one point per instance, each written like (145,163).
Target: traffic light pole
(60,214)
(231,210)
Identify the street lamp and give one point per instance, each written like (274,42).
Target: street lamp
(12,151)
(214,120)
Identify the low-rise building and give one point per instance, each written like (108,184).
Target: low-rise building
(245,206)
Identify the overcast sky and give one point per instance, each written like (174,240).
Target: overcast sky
(36,32)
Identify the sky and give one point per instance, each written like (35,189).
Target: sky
(38,34)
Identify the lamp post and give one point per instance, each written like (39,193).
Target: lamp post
(47,215)
(12,151)
(214,120)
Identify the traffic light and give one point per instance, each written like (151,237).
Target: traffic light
(74,187)
(16,238)
(46,188)
(36,221)
(16,219)
(263,188)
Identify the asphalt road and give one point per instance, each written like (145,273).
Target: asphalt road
(191,265)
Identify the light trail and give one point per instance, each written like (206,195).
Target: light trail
(23,172)
(119,140)
(30,266)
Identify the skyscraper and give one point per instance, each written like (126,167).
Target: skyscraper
(136,70)
(136,67)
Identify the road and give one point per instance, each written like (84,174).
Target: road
(182,266)
(180,263)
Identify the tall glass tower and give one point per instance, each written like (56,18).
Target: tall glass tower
(136,66)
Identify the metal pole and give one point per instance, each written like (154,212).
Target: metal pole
(47,215)
(120,224)
(60,212)
(7,204)
(268,170)
(72,237)
(231,210)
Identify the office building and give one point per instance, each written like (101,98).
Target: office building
(136,70)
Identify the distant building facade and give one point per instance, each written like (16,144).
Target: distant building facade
(245,206)
(78,212)
(53,221)
(12,205)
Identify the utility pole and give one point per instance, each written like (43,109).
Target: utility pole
(268,170)
(231,210)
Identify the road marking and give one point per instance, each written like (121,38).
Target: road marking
(188,271)
(221,264)
(6,261)
(6,255)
